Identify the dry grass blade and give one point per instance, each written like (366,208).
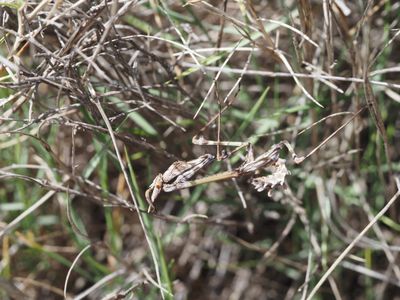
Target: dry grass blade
(80,82)
(295,30)
(346,251)
(31,282)
(370,273)
(72,267)
(12,290)
(100,283)
(298,75)
(10,226)
(334,133)
(300,85)
(377,117)
(271,47)
(135,201)
(215,80)
(324,119)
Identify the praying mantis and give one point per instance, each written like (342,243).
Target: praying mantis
(178,175)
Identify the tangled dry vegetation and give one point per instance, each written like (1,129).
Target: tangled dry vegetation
(98,97)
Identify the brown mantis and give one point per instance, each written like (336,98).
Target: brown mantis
(178,175)
(182,171)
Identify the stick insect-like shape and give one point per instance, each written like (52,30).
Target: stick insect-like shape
(183,171)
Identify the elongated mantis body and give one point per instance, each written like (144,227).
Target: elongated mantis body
(182,171)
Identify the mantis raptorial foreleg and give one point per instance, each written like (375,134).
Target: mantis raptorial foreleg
(201,141)
(181,171)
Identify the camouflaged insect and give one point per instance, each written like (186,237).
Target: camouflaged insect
(181,171)
(178,175)
(276,179)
